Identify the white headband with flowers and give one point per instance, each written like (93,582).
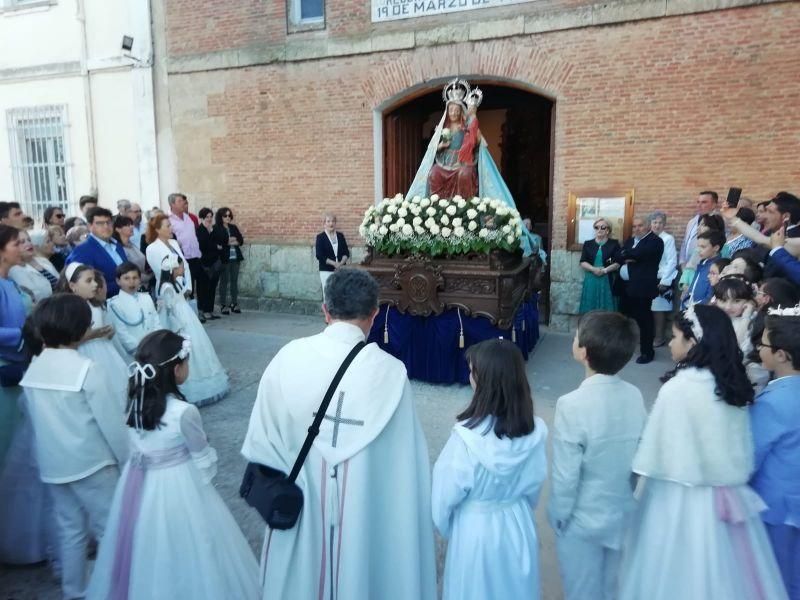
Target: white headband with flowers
(792,311)
(697,330)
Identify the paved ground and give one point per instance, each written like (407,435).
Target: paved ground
(247,342)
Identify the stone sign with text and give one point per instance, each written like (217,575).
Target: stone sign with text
(390,10)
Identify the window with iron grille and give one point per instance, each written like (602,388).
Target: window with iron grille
(39,157)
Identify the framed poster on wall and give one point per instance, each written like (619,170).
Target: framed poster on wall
(586,207)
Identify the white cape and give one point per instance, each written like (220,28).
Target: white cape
(365,530)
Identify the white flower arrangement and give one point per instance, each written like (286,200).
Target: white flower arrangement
(441,226)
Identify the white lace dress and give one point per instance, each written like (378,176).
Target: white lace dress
(104,352)
(169,533)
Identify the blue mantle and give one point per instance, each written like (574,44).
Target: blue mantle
(428,346)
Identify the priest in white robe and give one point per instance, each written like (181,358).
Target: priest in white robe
(365,529)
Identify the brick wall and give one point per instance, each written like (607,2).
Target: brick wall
(666,106)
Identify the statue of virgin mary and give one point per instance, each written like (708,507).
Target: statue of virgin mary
(457,161)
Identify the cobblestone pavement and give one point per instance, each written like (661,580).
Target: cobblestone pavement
(247,342)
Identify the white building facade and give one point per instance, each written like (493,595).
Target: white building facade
(77,103)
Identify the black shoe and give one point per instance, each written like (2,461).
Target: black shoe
(643,360)
(225,310)
(202,319)
(235,308)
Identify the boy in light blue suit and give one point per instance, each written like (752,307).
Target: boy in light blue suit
(596,430)
(775,420)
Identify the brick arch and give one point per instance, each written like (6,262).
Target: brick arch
(517,63)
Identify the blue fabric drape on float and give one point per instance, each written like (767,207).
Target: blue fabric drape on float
(428,346)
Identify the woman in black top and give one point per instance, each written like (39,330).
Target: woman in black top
(598,260)
(210,247)
(231,255)
(331,250)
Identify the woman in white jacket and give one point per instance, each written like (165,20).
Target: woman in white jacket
(160,244)
(486,482)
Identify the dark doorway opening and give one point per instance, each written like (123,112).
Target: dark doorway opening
(517,125)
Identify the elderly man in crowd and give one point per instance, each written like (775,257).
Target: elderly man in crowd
(185,231)
(707,202)
(11,214)
(366,480)
(101,250)
(638,282)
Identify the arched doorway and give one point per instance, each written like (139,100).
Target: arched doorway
(518,127)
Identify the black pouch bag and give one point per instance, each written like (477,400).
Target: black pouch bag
(276,497)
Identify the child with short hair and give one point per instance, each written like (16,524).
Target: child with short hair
(97,344)
(715,270)
(595,433)
(775,422)
(208,381)
(79,435)
(131,312)
(709,244)
(170,534)
(487,479)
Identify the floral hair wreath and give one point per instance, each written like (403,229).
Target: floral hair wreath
(792,311)
(697,330)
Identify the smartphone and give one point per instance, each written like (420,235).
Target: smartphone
(733,197)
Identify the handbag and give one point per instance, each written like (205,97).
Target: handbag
(276,497)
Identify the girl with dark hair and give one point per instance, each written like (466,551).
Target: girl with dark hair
(231,256)
(208,381)
(169,533)
(735,296)
(97,344)
(486,482)
(694,459)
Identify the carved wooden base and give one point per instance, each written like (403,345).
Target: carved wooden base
(482,285)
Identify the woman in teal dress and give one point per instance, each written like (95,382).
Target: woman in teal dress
(597,259)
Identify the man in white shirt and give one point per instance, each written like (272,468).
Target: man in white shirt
(707,202)
(365,529)
(595,433)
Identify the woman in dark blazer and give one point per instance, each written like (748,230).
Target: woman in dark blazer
(231,239)
(331,250)
(598,259)
(210,250)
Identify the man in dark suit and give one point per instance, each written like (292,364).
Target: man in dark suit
(100,250)
(638,282)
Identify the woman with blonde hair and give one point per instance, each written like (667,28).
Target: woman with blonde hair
(598,260)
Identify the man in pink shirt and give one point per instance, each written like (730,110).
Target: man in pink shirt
(185,231)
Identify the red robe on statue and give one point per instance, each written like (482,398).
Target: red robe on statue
(455,173)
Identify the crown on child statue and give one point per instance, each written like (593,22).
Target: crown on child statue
(792,311)
(475,97)
(456,91)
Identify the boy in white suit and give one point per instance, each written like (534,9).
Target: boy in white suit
(595,434)
(131,312)
(81,437)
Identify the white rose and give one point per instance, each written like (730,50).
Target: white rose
(430,211)
(391,208)
(398,197)
(483,233)
(451,210)
(506,229)
(481,207)
(408,229)
(424,202)
(414,209)
(458,232)
(472,226)
(445,220)
(429,222)
(387,218)
(402,212)
(401,221)
(383,230)
(461,203)
(362,231)
(502,211)
(443,203)
(446,231)
(394,227)
(518,229)
(472,213)
(419,230)
(434,229)
(434,197)
(457,222)
(373,228)
(417,221)
(510,239)
(475,200)
(416,199)
(457,198)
